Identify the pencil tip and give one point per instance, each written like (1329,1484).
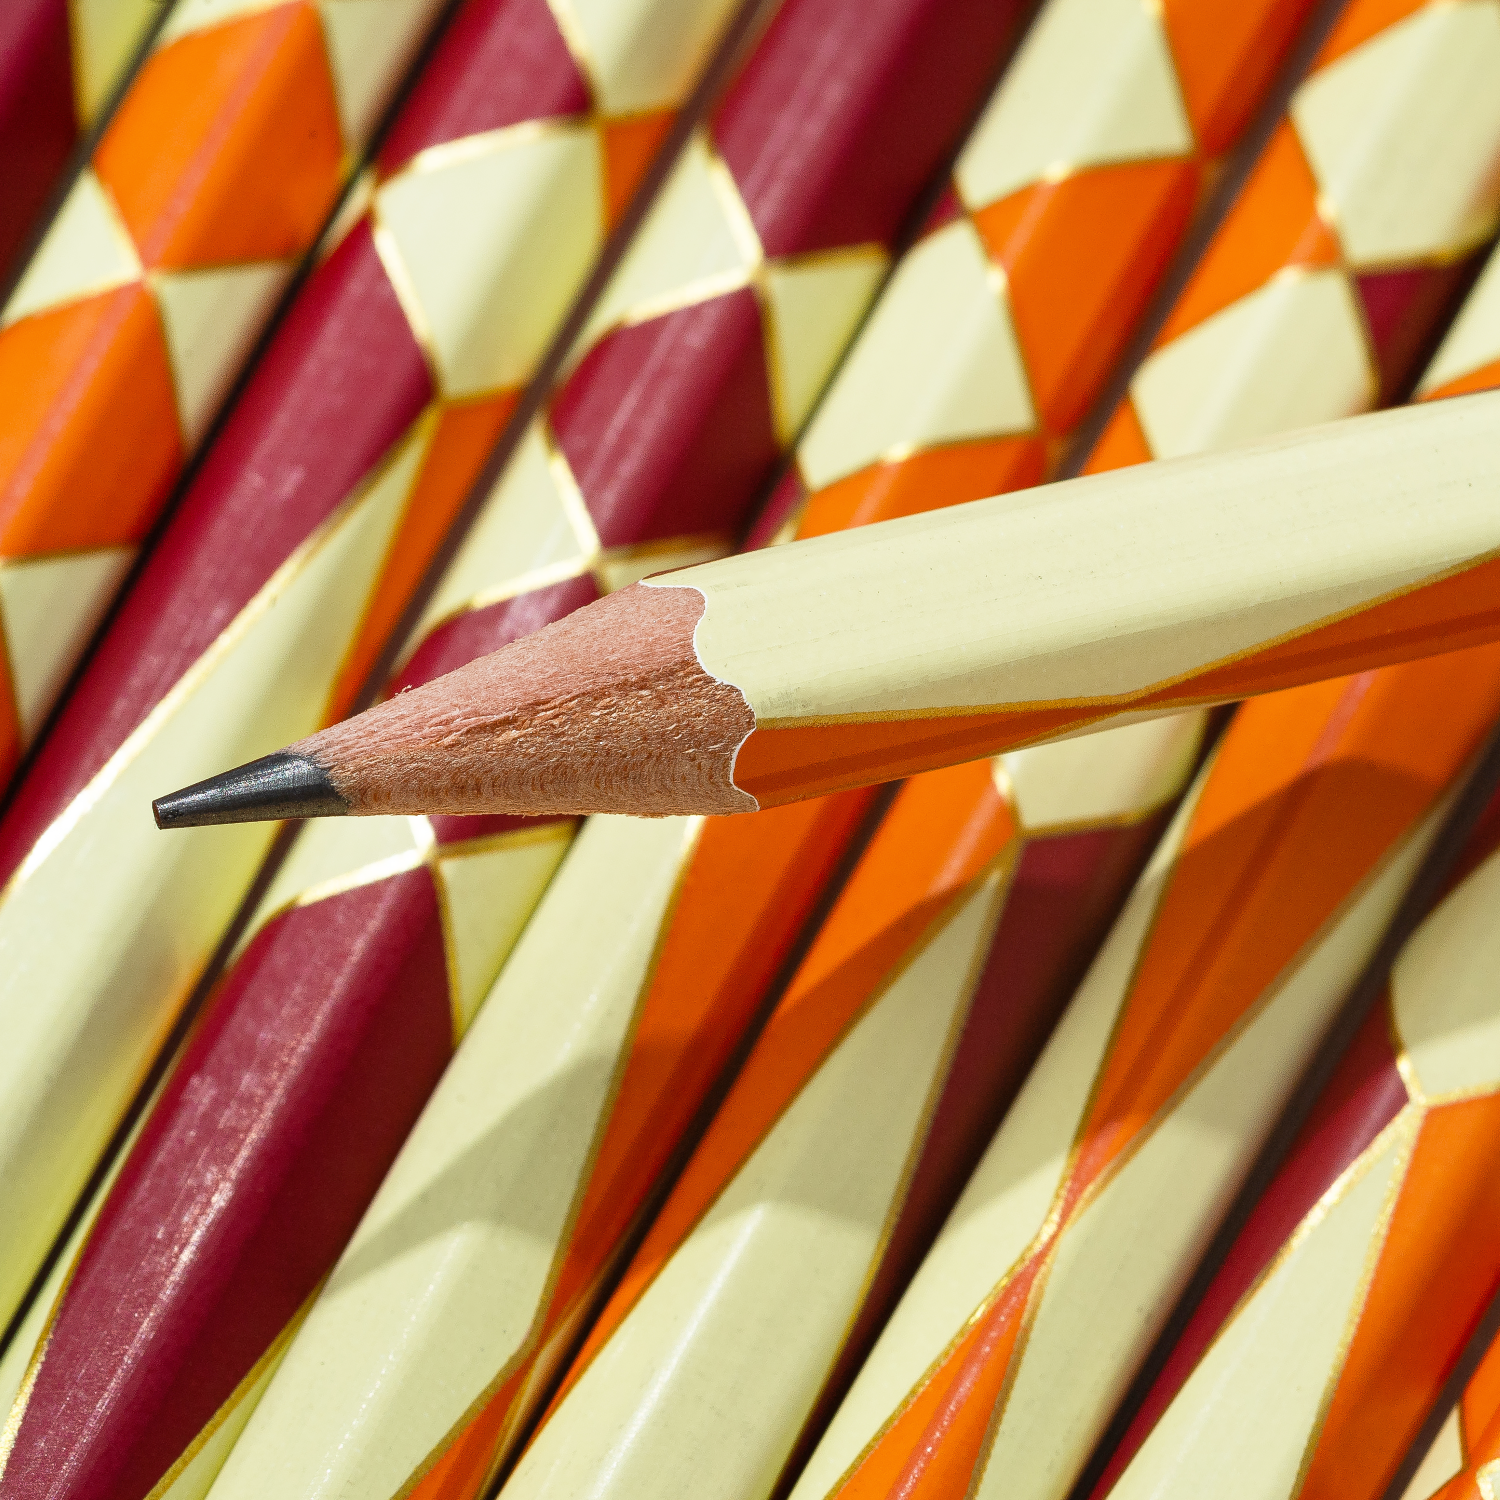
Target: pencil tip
(284,785)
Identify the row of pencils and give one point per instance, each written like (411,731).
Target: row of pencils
(1117,1117)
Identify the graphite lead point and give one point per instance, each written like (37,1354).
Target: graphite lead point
(283,785)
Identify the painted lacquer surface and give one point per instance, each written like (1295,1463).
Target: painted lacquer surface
(1004,1360)
(927,992)
(117,346)
(60,61)
(1366,1266)
(226,1220)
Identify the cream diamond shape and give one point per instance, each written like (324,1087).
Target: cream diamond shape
(814,304)
(489,892)
(210,319)
(371,43)
(937,362)
(1290,354)
(86,251)
(105,33)
(50,607)
(697,242)
(1474,340)
(641,54)
(1402,134)
(1094,83)
(494,239)
(533,530)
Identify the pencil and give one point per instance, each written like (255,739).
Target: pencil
(297,545)
(846,659)
(1028,1319)
(874,1086)
(1330,278)
(393,943)
(1364,1269)
(1461,1459)
(60,64)
(998,329)
(1065,883)
(153,283)
(885,1386)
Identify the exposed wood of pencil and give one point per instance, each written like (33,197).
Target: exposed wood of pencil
(875,653)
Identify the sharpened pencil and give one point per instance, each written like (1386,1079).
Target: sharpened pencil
(928,641)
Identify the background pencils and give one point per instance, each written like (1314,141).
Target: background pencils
(357,422)
(154,281)
(61,61)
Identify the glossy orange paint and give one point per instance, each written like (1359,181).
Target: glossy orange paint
(1436,1270)
(744,893)
(929,480)
(227,148)
(1081,258)
(630,146)
(1308,792)
(942,833)
(466,432)
(90,443)
(1274,223)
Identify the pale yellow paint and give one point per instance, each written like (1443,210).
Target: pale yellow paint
(330,854)
(211,320)
(937,362)
(1116,774)
(642,54)
(1443,1461)
(105,927)
(1290,354)
(1403,134)
(1123,1261)
(1445,990)
(105,36)
(1094,83)
(815,303)
(496,239)
(1106,584)
(1007,1200)
(529,528)
(1474,339)
(1274,1358)
(15,1363)
(705,1386)
(439,1287)
(86,250)
(50,607)
(371,44)
(693,244)
(488,896)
